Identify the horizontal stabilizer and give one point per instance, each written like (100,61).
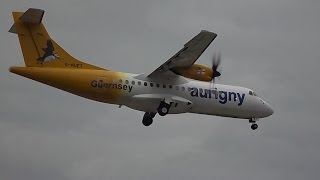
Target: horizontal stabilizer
(13,29)
(32,16)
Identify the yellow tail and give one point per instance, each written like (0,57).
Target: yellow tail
(38,49)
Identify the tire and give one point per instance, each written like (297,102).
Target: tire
(151,114)
(254,126)
(147,121)
(163,109)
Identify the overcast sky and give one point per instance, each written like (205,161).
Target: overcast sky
(270,46)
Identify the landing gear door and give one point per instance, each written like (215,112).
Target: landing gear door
(180,105)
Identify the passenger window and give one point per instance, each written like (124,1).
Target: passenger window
(158,85)
(183,88)
(164,86)
(139,83)
(133,82)
(170,86)
(151,84)
(177,87)
(145,84)
(127,82)
(189,88)
(250,93)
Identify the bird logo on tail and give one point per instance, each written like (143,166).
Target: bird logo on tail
(49,54)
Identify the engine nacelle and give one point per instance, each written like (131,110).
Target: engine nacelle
(196,71)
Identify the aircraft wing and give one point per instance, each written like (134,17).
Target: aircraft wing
(189,54)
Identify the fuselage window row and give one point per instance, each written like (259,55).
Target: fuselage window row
(151,84)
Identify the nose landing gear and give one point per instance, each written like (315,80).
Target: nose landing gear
(254,125)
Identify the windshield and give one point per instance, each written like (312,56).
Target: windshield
(252,93)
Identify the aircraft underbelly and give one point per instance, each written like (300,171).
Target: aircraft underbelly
(150,103)
(220,110)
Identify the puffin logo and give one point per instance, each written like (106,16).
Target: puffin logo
(49,54)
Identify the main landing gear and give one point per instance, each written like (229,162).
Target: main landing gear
(148,118)
(163,110)
(254,125)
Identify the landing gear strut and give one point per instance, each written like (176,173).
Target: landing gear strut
(148,118)
(254,125)
(163,108)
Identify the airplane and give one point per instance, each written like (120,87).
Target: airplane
(177,86)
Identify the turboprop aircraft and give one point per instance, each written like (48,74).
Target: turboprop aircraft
(177,86)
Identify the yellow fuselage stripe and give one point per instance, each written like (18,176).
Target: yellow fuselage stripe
(82,82)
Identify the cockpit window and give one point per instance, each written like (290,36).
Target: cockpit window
(252,93)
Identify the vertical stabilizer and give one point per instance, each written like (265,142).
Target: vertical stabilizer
(38,49)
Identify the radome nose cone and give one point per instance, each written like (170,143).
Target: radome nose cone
(270,111)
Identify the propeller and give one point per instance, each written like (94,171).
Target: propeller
(216,60)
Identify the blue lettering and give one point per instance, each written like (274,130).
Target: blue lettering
(194,92)
(215,93)
(223,97)
(203,93)
(241,98)
(208,93)
(234,96)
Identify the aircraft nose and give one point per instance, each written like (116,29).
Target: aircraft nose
(267,110)
(264,109)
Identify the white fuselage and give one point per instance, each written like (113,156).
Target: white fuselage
(194,97)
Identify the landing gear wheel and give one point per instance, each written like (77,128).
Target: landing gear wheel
(152,114)
(163,108)
(254,126)
(148,118)
(147,121)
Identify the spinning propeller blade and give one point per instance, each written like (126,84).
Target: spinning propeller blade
(216,60)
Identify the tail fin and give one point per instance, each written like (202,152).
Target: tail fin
(38,49)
